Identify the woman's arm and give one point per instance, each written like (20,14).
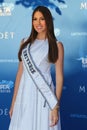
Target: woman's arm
(18,77)
(59,71)
(54,116)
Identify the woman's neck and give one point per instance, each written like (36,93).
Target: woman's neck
(40,36)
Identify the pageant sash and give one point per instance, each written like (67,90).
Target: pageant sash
(38,79)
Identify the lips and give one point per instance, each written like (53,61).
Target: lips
(39,27)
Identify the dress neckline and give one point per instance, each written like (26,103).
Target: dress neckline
(39,40)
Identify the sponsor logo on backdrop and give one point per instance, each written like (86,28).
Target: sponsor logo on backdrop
(57,31)
(82,89)
(9,61)
(83,61)
(6,35)
(53,4)
(83,5)
(4,112)
(78,34)
(6,9)
(81,116)
(6,86)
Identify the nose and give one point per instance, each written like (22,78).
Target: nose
(38,21)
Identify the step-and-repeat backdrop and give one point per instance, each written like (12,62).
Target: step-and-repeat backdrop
(70,22)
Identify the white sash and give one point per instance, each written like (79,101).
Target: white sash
(38,79)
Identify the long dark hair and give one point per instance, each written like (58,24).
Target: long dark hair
(53,49)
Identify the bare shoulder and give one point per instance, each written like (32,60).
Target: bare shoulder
(60,46)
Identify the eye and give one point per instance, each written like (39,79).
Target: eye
(34,19)
(42,18)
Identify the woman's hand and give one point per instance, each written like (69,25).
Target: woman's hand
(11,111)
(54,117)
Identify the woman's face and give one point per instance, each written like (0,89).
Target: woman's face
(39,23)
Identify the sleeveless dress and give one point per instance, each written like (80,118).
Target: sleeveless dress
(29,112)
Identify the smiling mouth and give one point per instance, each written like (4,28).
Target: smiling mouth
(39,27)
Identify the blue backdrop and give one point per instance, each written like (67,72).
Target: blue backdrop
(70,22)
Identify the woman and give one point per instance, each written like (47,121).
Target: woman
(35,105)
